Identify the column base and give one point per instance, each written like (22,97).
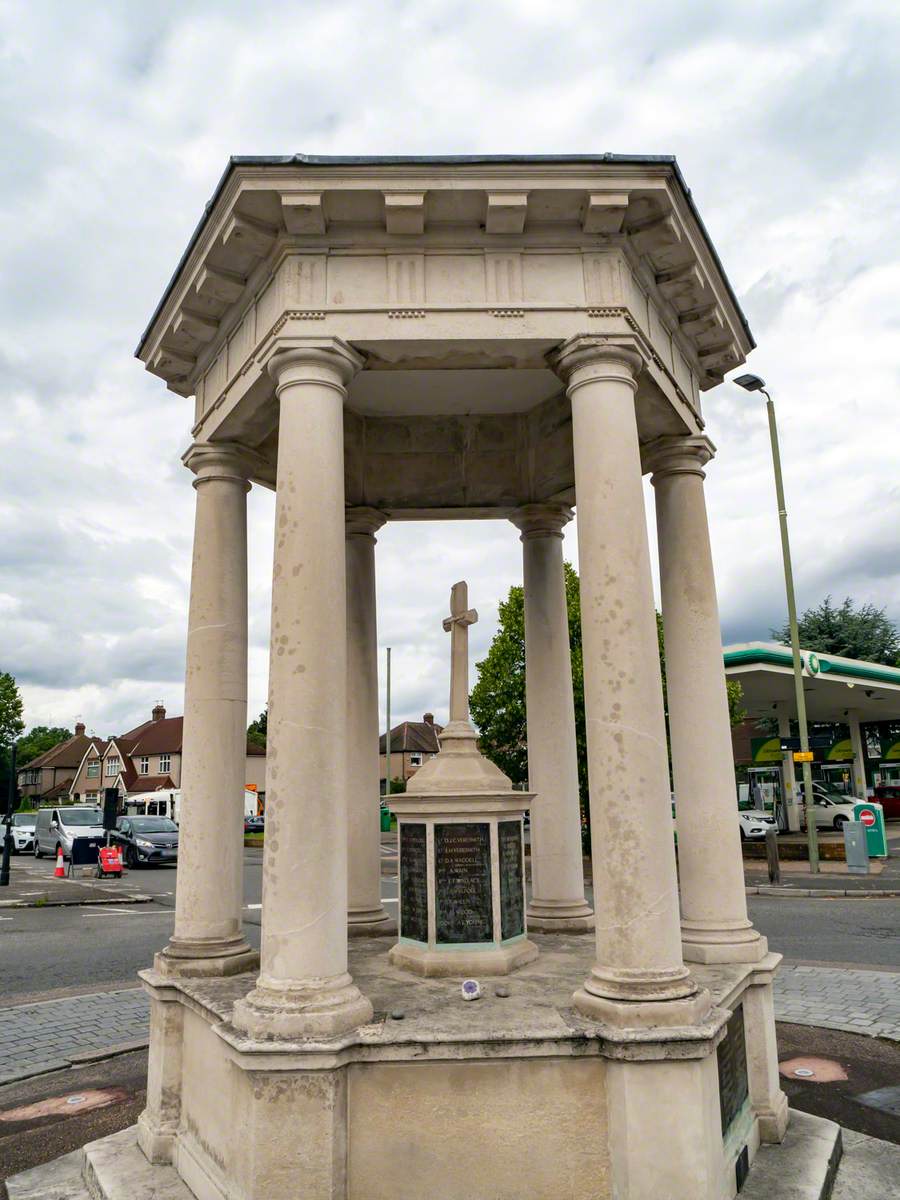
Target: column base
(157,1144)
(740,943)
(569,916)
(370,922)
(313,1008)
(773,1122)
(643,1014)
(201,959)
(458,964)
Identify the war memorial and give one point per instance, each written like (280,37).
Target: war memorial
(430,339)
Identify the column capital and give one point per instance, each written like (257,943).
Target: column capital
(326,361)
(588,357)
(361,521)
(541,520)
(222,460)
(677,456)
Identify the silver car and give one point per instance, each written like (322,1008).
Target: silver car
(57,827)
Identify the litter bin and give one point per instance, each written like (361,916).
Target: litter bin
(385,820)
(871,817)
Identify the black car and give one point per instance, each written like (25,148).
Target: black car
(254,824)
(146,840)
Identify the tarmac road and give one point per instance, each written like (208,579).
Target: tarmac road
(51,952)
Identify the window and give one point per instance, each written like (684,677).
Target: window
(89,796)
(93,768)
(112,765)
(165,763)
(144,765)
(415,760)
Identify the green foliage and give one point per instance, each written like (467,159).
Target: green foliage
(497,702)
(11,723)
(257,730)
(39,740)
(11,726)
(866,632)
(398,786)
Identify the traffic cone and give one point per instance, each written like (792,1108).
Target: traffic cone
(60,872)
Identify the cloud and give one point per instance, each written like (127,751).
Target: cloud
(782,118)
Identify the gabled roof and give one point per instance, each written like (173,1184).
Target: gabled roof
(60,789)
(64,754)
(151,783)
(413,736)
(156,737)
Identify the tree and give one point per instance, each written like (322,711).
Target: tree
(497,701)
(865,633)
(39,740)
(257,730)
(11,726)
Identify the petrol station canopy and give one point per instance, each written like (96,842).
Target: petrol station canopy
(834,686)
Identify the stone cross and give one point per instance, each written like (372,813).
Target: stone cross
(457,625)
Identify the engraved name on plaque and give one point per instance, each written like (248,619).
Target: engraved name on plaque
(413,882)
(731,1056)
(512,891)
(462,869)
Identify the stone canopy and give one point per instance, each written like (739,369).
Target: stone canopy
(454,279)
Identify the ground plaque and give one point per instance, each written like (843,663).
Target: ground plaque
(512,890)
(413,882)
(462,870)
(731,1055)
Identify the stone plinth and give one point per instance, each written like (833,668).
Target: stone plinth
(514,1096)
(462,878)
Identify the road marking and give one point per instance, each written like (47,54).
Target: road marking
(252,906)
(390,900)
(129,912)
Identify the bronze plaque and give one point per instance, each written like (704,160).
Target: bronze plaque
(731,1055)
(413,882)
(462,883)
(512,886)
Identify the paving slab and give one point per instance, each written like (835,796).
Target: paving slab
(869,1170)
(59,1179)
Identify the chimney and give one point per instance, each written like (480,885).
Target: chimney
(158,713)
(79,729)
(428,718)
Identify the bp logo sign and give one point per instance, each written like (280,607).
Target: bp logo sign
(812,664)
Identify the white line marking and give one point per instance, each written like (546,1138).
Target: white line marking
(252,906)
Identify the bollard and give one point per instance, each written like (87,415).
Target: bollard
(772,856)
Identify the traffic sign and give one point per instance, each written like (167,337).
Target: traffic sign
(802,756)
(866,816)
(871,816)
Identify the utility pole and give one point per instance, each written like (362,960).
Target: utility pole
(753,383)
(7,835)
(387,740)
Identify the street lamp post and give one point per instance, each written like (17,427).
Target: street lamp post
(753,383)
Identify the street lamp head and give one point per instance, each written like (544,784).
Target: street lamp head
(750,383)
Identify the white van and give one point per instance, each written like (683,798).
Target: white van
(56,827)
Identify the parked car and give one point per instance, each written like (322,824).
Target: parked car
(55,828)
(833,809)
(146,840)
(753,824)
(888,796)
(23,832)
(254,824)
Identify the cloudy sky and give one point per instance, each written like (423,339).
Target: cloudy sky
(117,120)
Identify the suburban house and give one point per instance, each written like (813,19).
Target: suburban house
(412,744)
(147,759)
(49,777)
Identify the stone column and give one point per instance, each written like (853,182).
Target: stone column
(557,872)
(788,771)
(304,989)
(208,938)
(365,912)
(636,896)
(859,755)
(714,923)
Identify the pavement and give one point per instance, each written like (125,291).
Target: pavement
(32,884)
(850,999)
(38,1038)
